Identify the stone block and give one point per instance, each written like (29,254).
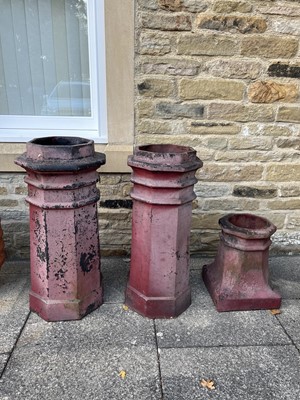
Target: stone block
(183,5)
(156,87)
(278,219)
(270,47)
(290,143)
(214,128)
(227,7)
(3,191)
(231,23)
(268,130)
(293,222)
(10,203)
(258,143)
(117,203)
(206,221)
(148,4)
(174,110)
(208,89)
(109,179)
(210,45)
(270,91)
(230,204)
(289,190)
(21,239)
(22,190)
(230,172)
(155,126)
(240,112)
(288,114)
(170,67)
(171,5)
(236,68)
(154,43)
(208,190)
(255,191)
(282,172)
(279,9)
(284,204)
(284,70)
(166,22)
(217,143)
(287,26)
(145,108)
(243,156)
(114,214)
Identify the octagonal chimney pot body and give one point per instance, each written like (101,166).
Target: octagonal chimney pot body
(64,235)
(163,181)
(238,277)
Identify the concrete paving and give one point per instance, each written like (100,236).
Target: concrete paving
(114,353)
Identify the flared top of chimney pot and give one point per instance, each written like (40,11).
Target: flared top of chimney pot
(59,148)
(60,153)
(247,226)
(165,157)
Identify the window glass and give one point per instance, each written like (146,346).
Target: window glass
(44,59)
(52,68)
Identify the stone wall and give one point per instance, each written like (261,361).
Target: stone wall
(223,77)
(114,215)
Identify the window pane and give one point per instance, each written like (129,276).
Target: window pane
(44,58)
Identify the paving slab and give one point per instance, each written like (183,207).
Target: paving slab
(3,361)
(285,276)
(14,309)
(109,325)
(16,267)
(94,373)
(115,274)
(83,359)
(198,262)
(290,318)
(252,373)
(200,295)
(199,327)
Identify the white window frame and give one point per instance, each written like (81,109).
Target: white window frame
(19,128)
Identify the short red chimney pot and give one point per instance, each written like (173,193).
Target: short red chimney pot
(238,278)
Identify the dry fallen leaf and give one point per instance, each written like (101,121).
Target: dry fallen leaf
(122,374)
(275,311)
(125,308)
(208,383)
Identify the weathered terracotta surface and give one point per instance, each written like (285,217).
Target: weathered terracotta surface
(163,178)
(64,238)
(2,249)
(238,278)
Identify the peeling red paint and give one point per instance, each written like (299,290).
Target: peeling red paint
(64,235)
(238,278)
(163,178)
